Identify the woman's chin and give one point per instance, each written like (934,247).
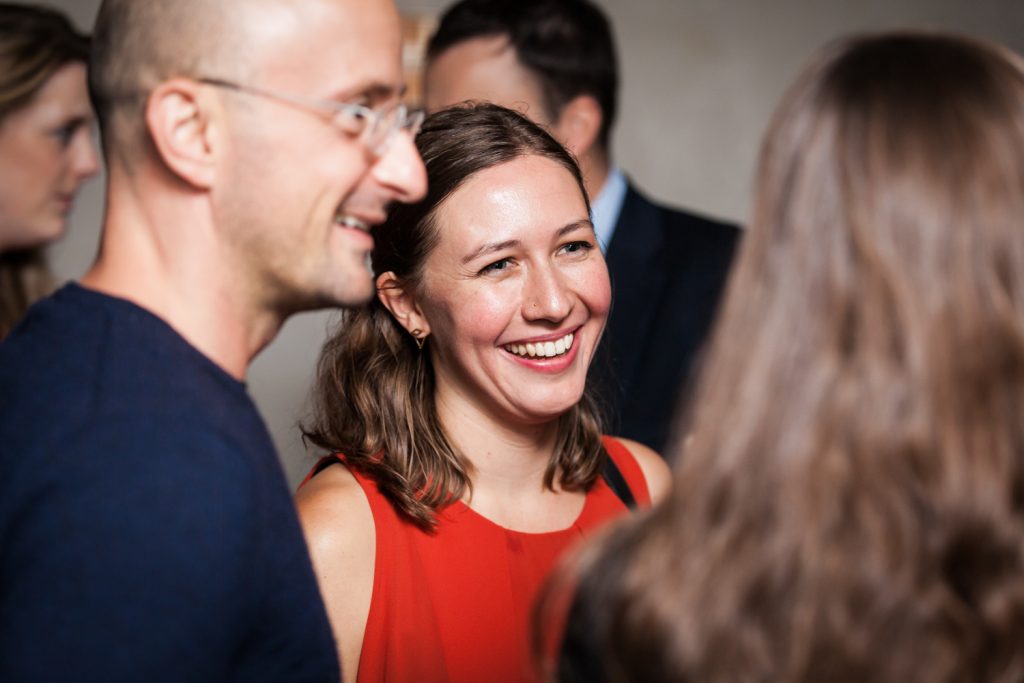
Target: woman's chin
(547,409)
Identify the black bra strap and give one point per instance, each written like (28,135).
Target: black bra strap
(616,482)
(323,464)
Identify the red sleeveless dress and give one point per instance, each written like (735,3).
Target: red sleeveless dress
(455,605)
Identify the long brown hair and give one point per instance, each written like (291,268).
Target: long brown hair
(374,393)
(851,504)
(35,42)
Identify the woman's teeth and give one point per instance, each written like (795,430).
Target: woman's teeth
(546,349)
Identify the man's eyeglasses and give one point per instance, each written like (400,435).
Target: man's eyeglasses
(375,128)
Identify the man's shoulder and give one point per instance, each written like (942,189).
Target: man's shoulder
(76,339)
(81,360)
(134,462)
(670,243)
(121,404)
(711,229)
(680,226)
(181,536)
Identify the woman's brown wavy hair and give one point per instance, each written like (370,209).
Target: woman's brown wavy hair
(851,504)
(373,399)
(35,42)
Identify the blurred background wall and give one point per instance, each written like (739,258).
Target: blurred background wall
(699,81)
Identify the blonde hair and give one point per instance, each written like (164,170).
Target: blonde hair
(852,504)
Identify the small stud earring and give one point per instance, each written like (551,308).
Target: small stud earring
(416,337)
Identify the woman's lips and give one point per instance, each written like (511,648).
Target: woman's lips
(548,356)
(543,349)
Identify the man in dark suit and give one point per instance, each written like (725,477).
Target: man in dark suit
(555,61)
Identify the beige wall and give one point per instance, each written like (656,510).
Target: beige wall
(700,78)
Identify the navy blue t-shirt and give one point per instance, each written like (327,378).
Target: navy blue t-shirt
(146,529)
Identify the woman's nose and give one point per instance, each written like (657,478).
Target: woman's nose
(547,297)
(86,162)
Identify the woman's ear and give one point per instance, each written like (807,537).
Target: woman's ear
(402,304)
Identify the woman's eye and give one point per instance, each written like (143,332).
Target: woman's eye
(577,246)
(64,134)
(496,267)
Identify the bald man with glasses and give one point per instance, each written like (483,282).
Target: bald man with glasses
(146,529)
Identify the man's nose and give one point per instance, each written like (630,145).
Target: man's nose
(400,170)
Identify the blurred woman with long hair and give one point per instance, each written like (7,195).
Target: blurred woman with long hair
(850,504)
(46,147)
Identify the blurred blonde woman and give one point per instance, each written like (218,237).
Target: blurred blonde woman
(46,148)
(851,506)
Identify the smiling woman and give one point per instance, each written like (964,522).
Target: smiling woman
(469,453)
(46,149)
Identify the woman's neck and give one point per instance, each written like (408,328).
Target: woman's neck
(507,457)
(508,461)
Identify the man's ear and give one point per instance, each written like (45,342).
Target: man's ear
(402,304)
(579,125)
(178,118)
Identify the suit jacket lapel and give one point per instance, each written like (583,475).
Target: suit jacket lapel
(638,274)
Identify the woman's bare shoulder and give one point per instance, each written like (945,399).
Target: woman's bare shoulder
(333,508)
(656,471)
(338,522)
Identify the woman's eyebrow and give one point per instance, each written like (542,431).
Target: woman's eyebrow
(575,225)
(489,247)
